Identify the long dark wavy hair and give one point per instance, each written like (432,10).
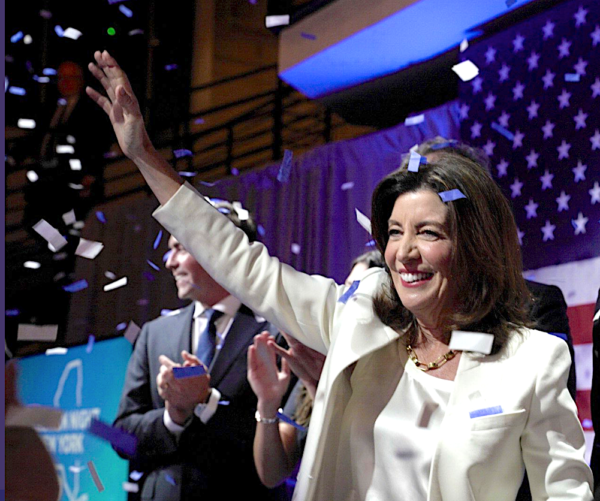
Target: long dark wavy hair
(486,262)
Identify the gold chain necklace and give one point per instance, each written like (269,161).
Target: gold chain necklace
(433,365)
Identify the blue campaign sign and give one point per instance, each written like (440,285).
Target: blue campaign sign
(85,384)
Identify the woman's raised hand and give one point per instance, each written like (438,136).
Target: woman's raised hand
(121,105)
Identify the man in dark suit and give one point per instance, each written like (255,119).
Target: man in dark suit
(195,434)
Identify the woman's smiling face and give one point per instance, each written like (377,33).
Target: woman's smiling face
(419,255)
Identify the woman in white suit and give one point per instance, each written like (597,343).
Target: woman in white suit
(400,414)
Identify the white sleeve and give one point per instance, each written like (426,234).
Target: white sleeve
(300,304)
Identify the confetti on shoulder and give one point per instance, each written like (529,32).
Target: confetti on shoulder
(349,293)
(451,195)
(286,167)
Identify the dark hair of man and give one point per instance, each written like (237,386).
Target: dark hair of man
(246,225)
(486,263)
(373,259)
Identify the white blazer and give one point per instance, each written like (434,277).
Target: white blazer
(479,459)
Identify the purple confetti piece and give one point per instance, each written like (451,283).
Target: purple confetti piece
(46,14)
(223,402)
(182,153)
(122,326)
(261,230)
(286,167)
(199,121)
(59,31)
(120,439)
(370,243)
(348,294)
(206,183)
(446,144)
(235,172)
(157,240)
(17,91)
(415,161)
(171,67)
(288,420)
(308,36)
(126,11)
(587,424)
(559,335)
(295,248)
(13,313)
(100,216)
(505,132)
(142,302)
(347,186)
(48,72)
(184,173)
(108,154)
(170,479)
(135,475)
(185,372)
(76,286)
(149,276)
(488,411)
(152,265)
(451,195)
(572,77)
(90,344)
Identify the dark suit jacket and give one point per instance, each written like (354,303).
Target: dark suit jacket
(212,460)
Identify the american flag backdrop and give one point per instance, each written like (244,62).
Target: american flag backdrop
(535,109)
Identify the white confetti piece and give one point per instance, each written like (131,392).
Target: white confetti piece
(75,164)
(70,139)
(115,285)
(30,332)
(295,248)
(464,45)
(272,21)
(64,148)
(132,331)
(50,234)
(26,123)
(75,186)
(363,220)
(33,415)
(57,351)
(110,275)
(27,39)
(72,33)
(466,70)
(480,342)
(76,469)
(95,477)
(32,176)
(417,119)
(32,265)
(69,217)
(414,148)
(130,487)
(242,213)
(347,186)
(88,248)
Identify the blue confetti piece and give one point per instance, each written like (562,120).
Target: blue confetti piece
(59,31)
(120,439)
(76,286)
(185,372)
(100,216)
(505,132)
(148,276)
(17,36)
(348,294)
(206,183)
(135,475)
(572,77)
(288,420)
(286,167)
(488,411)
(122,326)
(13,313)
(63,102)
(261,230)
(587,424)
(90,344)
(17,91)
(152,265)
(223,402)
(446,144)
(559,335)
(171,67)
(370,243)
(170,479)
(182,153)
(167,255)
(48,72)
(451,195)
(157,240)
(126,11)
(184,173)
(199,121)
(164,312)
(235,172)
(308,36)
